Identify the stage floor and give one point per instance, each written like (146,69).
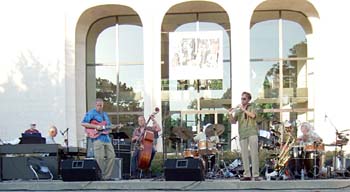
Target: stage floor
(162,185)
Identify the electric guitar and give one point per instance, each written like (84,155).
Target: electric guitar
(94,133)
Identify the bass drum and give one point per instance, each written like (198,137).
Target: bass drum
(312,163)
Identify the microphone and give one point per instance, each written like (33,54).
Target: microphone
(233,138)
(63,132)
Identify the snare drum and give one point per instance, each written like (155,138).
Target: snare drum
(202,145)
(190,153)
(211,147)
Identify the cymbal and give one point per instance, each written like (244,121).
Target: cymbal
(183,133)
(345,130)
(331,145)
(211,129)
(276,123)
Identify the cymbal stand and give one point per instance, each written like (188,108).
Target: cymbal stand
(339,155)
(315,166)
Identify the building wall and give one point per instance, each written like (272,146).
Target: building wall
(43,61)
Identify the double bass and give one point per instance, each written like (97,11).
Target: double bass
(146,144)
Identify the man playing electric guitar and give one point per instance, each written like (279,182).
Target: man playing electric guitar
(95,122)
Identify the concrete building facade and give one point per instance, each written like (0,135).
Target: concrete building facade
(48,48)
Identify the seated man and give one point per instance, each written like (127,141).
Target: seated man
(32,129)
(50,139)
(313,149)
(32,136)
(206,153)
(309,136)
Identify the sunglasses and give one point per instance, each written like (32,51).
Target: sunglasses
(243,99)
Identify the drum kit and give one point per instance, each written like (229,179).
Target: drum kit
(204,149)
(306,160)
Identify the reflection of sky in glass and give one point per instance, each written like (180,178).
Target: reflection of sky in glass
(264,44)
(130,55)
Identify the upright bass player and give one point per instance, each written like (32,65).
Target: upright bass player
(137,138)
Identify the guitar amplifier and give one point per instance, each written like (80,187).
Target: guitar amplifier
(121,145)
(126,163)
(117,169)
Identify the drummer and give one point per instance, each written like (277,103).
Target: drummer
(201,136)
(309,136)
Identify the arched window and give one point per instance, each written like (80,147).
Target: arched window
(115,67)
(189,37)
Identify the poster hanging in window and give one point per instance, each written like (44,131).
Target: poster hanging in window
(196,55)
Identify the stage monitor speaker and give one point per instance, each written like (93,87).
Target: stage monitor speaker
(80,170)
(126,156)
(184,170)
(0,168)
(117,169)
(22,167)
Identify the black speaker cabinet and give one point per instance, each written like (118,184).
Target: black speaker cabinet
(22,167)
(80,170)
(126,161)
(0,168)
(184,170)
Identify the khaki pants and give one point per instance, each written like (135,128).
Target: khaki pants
(252,143)
(104,155)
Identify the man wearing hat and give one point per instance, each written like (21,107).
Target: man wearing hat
(32,129)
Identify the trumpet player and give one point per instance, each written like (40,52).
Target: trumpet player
(245,115)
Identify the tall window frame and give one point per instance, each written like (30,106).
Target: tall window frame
(289,100)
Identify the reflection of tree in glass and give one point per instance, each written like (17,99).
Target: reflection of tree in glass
(126,98)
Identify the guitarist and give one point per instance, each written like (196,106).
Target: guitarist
(95,121)
(136,137)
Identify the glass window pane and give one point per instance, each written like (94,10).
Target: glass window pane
(293,35)
(106,47)
(106,86)
(265,80)
(131,68)
(264,40)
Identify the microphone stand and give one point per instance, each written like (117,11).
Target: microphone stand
(65,132)
(336,148)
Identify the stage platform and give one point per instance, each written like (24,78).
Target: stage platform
(161,185)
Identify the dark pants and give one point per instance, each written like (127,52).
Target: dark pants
(135,159)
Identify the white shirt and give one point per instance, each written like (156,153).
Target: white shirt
(50,140)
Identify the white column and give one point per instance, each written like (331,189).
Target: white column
(240,59)
(152,68)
